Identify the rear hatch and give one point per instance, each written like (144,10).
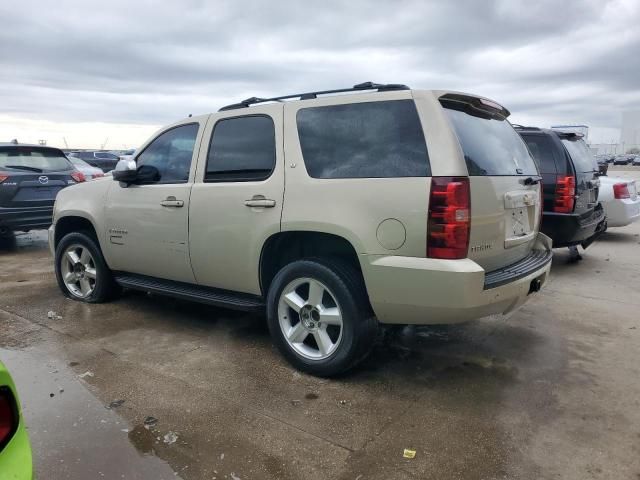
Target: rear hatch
(504,180)
(32,176)
(585,165)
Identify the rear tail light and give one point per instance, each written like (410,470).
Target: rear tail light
(565,194)
(78,176)
(449,218)
(97,175)
(8,416)
(3,177)
(621,191)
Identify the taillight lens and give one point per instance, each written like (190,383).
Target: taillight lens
(565,197)
(8,416)
(97,175)
(78,176)
(449,218)
(621,191)
(3,177)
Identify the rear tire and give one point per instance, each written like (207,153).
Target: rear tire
(81,271)
(319,316)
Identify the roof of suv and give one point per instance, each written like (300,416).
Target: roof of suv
(523,129)
(479,103)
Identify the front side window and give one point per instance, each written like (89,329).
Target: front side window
(171,154)
(242,149)
(363,140)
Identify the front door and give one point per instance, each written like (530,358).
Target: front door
(236,202)
(147,224)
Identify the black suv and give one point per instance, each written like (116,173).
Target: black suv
(571,212)
(106,161)
(30,178)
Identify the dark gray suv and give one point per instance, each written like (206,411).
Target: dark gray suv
(30,178)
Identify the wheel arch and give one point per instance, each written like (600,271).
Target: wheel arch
(284,247)
(74,223)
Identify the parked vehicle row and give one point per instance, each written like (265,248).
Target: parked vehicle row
(105,161)
(336,211)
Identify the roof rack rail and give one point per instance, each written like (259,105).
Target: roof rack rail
(380,87)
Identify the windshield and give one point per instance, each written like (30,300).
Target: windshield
(33,159)
(582,157)
(491,146)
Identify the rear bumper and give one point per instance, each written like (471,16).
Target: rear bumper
(26,218)
(622,212)
(422,291)
(566,229)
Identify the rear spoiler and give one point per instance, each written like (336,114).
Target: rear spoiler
(477,106)
(569,135)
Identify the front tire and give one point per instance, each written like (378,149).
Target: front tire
(81,271)
(319,316)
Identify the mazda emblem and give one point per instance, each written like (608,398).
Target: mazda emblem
(43,179)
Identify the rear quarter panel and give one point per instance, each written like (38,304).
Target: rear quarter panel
(354,208)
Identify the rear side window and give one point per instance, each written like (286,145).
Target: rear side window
(363,140)
(541,148)
(582,157)
(33,159)
(242,149)
(491,146)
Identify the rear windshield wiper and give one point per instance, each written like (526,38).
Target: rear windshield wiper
(22,167)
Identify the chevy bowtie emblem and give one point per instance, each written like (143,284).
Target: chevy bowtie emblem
(43,179)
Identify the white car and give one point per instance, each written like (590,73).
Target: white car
(87,170)
(619,197)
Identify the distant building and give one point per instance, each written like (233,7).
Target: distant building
(630,137)
(581,129)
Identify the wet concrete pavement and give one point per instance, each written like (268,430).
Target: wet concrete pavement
(550,392)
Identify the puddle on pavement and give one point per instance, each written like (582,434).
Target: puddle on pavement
(73,435)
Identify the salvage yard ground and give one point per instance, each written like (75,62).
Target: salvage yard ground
(148,386)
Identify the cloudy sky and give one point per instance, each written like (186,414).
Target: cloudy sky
(94,71)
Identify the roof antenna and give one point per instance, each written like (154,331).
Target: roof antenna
(190,115)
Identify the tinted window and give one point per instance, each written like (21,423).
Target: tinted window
(33,159)
(580,154)
(242,149)
(541,147)
(171,154)
(363,140)
(491,146)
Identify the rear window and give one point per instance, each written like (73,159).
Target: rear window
(363,140)
(33,159)
(491,146)
(582,157)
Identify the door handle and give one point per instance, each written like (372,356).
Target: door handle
(172,202)
(260,201)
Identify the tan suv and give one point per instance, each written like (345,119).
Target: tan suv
(329,212)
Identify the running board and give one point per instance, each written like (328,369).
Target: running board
(195,293)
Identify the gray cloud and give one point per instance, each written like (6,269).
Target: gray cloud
(153,62)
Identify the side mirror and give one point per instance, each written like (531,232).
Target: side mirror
(126,171)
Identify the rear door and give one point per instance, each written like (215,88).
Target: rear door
(504,180)
(236,202)
(587,183)
(32,176)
